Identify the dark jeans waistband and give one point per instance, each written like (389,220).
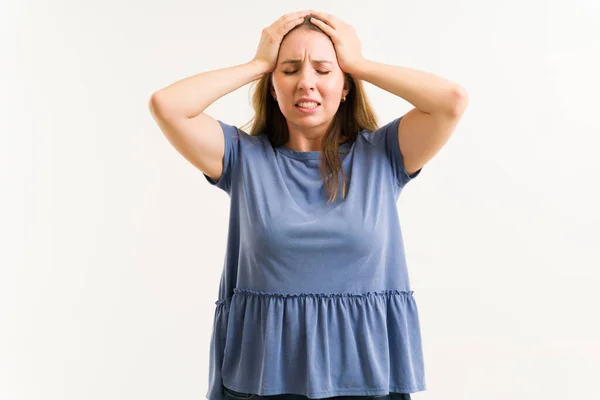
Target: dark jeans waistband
(234,395)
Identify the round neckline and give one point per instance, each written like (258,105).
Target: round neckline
(306,155)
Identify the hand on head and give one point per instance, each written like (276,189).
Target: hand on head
(270,40)
(343,36)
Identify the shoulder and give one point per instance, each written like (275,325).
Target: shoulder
(382,137)
(240,136)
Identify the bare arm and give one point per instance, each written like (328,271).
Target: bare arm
(190,96)
(179,108)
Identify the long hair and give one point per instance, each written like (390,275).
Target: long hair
(352,116)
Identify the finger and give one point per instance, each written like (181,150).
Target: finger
(327,18)
(280,24)
(326,28)
(303,13)
(286,27)
(295,15)
(290,17)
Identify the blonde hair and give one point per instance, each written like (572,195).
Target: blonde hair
(353,115)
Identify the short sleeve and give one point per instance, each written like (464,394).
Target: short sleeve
(231,136)
(386,140)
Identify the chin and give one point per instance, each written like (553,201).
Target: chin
(309,120)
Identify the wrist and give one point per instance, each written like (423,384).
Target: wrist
(261,67)
(358,68)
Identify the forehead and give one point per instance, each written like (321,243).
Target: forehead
(303,44)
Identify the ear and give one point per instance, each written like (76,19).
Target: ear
(346,89)
(345,92)
(272,88)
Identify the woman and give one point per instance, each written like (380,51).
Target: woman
(314,299)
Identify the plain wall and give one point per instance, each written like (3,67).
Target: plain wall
(113,244)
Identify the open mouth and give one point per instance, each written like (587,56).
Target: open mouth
(308,105)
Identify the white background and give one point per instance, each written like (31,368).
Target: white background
(112,244)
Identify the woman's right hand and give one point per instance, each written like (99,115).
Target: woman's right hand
(270,40)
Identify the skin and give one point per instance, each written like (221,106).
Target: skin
(307,79)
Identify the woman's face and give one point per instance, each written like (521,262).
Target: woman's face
(307,67)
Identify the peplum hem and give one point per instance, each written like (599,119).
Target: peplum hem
(317,295)
(316,344)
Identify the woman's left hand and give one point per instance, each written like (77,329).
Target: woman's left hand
(344,38)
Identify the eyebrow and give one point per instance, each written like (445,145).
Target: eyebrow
(298,61)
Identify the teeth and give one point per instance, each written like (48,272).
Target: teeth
(308,105)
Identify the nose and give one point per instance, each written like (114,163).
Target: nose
(306,81)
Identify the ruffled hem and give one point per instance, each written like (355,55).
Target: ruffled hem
(317,344)
(315,295)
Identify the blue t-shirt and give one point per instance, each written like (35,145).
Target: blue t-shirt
(314,298)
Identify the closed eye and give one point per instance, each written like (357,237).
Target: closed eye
(293,72)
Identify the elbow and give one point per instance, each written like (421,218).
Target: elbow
(460,101)
(156,105)
(151,104)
